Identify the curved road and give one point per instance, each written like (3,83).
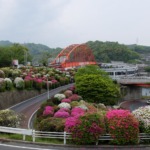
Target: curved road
(28,107)
(133,104)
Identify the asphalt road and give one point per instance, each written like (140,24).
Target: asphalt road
(133,104)
(28,107)
(28,146)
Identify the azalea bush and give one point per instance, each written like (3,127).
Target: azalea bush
(49,110)
(2,74)
(38,83)
(2,85)
(8,83)
(64,105)
(19,83)
(9,118)
(61,114)
(59,96)
(123,127)
(143,115)
(85,129)
(52,124)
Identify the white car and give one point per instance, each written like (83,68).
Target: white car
(148,101)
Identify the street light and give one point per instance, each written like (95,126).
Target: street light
(47,89)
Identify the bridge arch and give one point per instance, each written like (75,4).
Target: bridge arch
(73,56)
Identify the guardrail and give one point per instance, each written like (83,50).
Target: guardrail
(58,135)
(24,132)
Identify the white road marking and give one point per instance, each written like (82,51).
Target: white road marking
(23,147)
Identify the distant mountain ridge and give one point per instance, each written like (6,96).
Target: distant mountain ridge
(103,51)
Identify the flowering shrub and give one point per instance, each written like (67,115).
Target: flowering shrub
(68,93)
(77,111)
(64,105)
(52,124)
(143,115)
(122,126)
(28,83)
(85,129)
(19,83)
(38,83)
(59,96)
(2,74)
(48,111)
(75,97)
(9,118)
(64,109)
(61,114)
(74,104)
(83,106)
(2,85)
(67,100)
(8,83)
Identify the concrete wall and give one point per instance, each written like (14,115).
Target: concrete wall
(131,93)
(8,99)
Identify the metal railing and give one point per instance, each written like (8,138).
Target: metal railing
(58,135)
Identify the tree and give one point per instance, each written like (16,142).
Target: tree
(94,85)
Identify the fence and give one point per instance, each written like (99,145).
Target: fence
(58,135)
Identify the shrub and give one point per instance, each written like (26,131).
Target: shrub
(2,85)
(19,83)
(67,100)
(59,96)
(2,74)
(95,86)
(64,105)
(49,110)
(28,84)
(8,83)
(74,104)
(77,111)
(123,127)
(52,124)
(86,129)
(9,118)
(75,97)
(61,114)
(68,93)
(143,115)
(38,83)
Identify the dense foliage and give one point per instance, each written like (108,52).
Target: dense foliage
(15,51)
(112,51)
(9,118)
(33,78)
(94,85)
(85,129)
(143,115)
(122,126)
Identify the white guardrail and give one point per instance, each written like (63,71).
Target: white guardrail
(57,135)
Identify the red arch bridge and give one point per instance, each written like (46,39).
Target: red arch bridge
(74,56)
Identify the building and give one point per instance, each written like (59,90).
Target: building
(117,70)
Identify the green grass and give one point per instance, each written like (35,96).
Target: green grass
(29,138)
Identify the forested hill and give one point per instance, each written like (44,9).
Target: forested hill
(103,51)
(113,51)
(140,48)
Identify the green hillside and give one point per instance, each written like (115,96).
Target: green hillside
(113,51)
(103,51)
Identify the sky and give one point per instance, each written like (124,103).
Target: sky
(60,23)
